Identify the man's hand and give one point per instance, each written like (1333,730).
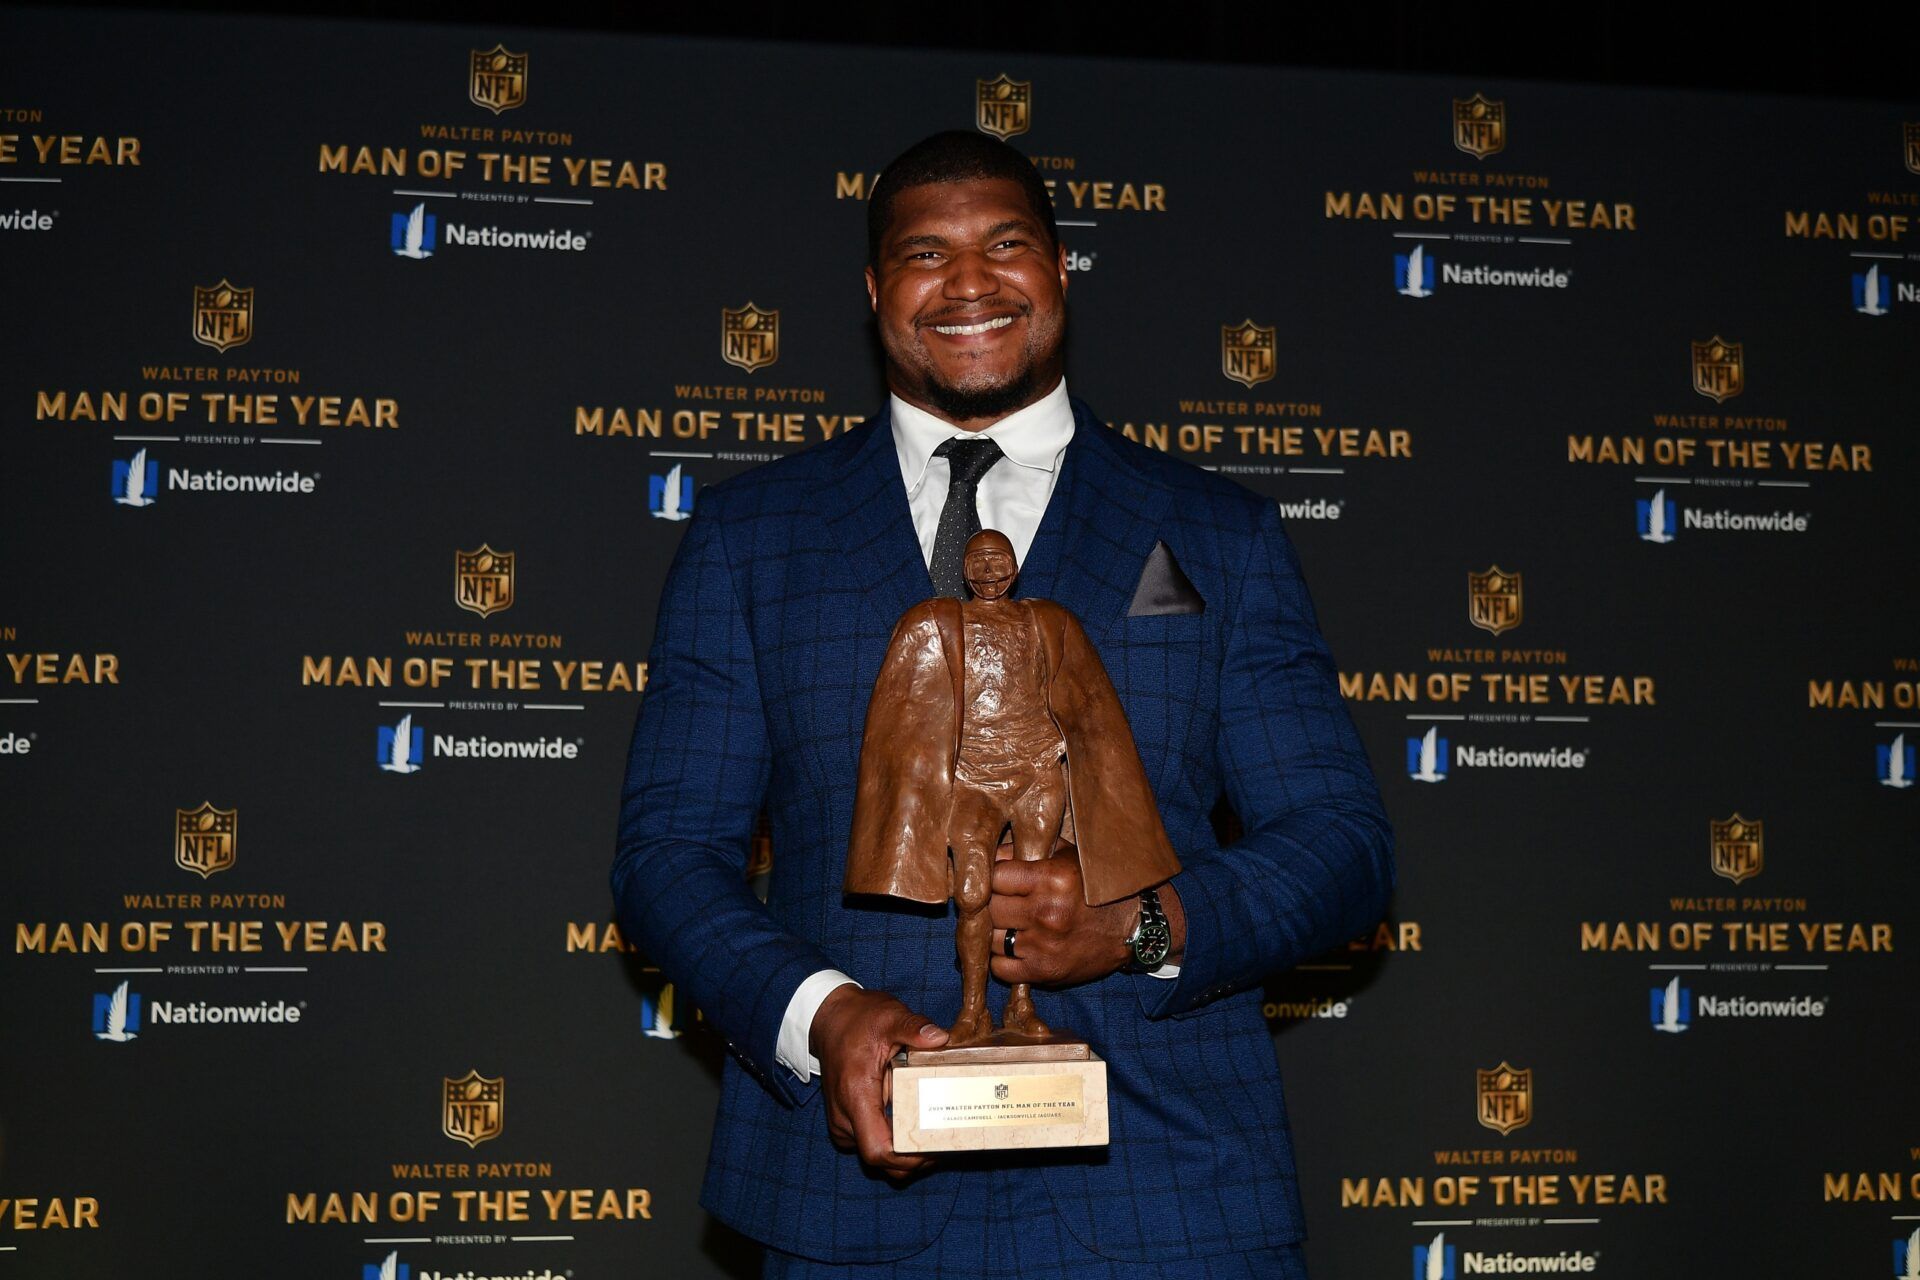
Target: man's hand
(1061,940)
(855,1034)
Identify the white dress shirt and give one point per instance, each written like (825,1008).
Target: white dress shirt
(1012,497)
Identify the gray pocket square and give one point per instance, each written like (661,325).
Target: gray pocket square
(1163,588)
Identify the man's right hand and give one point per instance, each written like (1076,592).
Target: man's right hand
(855,1034)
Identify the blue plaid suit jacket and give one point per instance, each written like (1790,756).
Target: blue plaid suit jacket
(772,625)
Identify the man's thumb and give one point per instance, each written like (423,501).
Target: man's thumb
(929,1032)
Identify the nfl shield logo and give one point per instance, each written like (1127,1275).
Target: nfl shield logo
(1738,851)
(1479,125)
(1003,107)
(473,1108)
(1246,353)
(483,580)
(203,839)
(1719,369)
(497,79)
(1912,133)
(749,337)
(1493,600)
(222,315)
(1504,1097)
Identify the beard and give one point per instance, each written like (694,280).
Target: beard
(962,404)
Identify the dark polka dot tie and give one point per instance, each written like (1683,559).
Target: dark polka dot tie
(960,518)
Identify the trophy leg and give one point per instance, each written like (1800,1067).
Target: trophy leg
(1036,826)
(973,871)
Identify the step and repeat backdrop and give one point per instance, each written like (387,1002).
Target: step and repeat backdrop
(358,382)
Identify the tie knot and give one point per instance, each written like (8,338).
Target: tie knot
(969,458)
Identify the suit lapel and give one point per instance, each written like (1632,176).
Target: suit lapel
(1098,530)
(866,512)
(1100,527)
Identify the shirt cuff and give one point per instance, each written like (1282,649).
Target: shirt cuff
(796,1029)
(1165,971)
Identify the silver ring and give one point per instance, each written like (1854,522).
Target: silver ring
(1006,944)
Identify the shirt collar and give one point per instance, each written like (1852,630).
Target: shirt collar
(1032,437)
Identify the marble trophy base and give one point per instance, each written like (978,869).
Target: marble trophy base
(1011,1093)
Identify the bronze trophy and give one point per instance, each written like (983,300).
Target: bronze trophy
(990,714)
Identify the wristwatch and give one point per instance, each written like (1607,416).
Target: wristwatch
(1151,938)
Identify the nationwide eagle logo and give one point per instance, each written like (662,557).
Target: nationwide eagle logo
(749,337)
(1246,352)
(1738,851)
(1003,107)
(1503,1097)
(497,78)
(1493,600)
(222,315)
(204,839)
(1479,125)
(483,580)
(473,1108)
(1719,369)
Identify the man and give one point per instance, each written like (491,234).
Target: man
(772,627)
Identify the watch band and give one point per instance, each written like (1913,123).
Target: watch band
(1152,939)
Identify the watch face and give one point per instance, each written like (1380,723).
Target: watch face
(1151,950)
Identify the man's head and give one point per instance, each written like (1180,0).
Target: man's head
(967,279)
(989,565)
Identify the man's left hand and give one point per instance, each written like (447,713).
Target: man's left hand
(1059,940)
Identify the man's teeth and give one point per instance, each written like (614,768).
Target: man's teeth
(982,327)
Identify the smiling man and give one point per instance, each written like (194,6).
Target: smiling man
(772,627)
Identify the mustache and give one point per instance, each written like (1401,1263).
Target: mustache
(967,315)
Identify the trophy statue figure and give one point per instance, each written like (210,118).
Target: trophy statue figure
(987,714)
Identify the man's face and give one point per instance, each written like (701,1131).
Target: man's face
(989,572)
(970,298)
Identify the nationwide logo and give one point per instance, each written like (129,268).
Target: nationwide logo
(1911,131)
(1247,352)
(1434,1260)
(483,580)
(656,1015)
(1906,1253)
(670,496)
(116,1015)
(1427,757)
(1493,600)
(26,220)
(1719,369)
(1893,764)
(388,1268)
(473,1108)
(749,337)
(136,481)
(1738,851)
(413,235)
(204,839)
(1655,518)
(566,241)
(1870,292)
(1503,1097)
(1670,1007)
(1003,107)
(1413,273)
(1479,125)
(222,315)
(497,78)
(400,748)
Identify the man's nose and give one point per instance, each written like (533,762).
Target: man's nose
(970,274)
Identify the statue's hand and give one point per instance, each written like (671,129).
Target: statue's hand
(855,1034)
(1060,941)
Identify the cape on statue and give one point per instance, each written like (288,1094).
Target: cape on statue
(905,796)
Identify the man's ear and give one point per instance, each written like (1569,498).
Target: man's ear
(873,290)
(1060,265)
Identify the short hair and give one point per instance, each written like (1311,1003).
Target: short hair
(954,156)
